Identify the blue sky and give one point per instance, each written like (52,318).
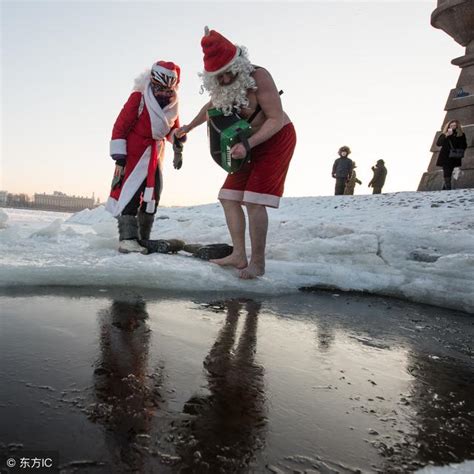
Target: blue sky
(371,75)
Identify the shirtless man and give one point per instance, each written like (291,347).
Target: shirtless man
(234,83)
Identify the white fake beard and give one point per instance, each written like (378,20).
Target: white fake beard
(233,95)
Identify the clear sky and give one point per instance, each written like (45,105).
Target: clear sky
(371,75)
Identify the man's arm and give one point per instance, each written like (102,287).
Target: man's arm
(269,100)
(200,118)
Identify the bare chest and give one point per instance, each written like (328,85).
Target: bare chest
(247,112)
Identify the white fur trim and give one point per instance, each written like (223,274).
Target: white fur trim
(148,194)
(150,207)
(131,185)
(263,199)
(231,194)
(227,66)
(118,146)
(142,81)
(111,206)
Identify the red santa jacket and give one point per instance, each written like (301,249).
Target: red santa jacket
(139,132)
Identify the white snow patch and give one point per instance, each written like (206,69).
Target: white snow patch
(466,467)
(417,246)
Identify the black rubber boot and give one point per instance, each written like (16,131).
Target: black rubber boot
(210,251)
(192,248)
(128,235)
(145,224)
(447,184)
(128,227)
(213,251)
(162,246)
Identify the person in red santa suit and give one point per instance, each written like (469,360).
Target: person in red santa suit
(149,116)
(235,84)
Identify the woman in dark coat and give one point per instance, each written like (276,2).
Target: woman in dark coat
(452,138)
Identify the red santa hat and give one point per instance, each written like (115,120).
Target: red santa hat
(219,52)
(166,73)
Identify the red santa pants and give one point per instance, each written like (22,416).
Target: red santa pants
(262,180)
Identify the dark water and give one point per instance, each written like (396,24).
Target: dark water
(120,381)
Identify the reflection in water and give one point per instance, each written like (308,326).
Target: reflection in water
(390,393)
(325,335)
(443,399)
(432,419)
(227,426)
(126,395)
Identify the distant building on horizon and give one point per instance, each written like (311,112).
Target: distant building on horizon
(58,201)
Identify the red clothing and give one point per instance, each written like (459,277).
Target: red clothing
(262,180)
(139,132)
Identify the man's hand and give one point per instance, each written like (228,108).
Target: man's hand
(119,173)
(238,151)
(182,131)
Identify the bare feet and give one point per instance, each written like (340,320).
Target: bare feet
(233,260)
(254,270)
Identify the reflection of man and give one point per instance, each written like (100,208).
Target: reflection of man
(126,400)
(228,424)
(325,336)
(235,84)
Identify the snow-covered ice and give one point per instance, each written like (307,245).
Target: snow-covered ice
(417,246)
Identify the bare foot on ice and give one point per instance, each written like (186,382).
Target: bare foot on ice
(254,270)
(237,261)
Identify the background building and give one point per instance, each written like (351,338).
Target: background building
(48,202)
(62,202)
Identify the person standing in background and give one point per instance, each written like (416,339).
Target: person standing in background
(378,179)
(453,143)
(351,182)
(342,169)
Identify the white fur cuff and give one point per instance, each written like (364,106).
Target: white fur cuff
(148,194)
(118,146)
(150,206)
